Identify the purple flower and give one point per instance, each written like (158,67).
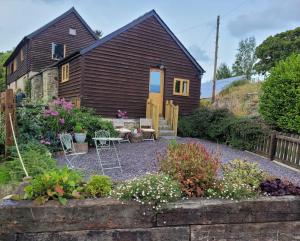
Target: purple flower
(54,113)
(62,121)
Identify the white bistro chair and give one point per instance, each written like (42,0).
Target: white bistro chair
(69,150)
(123,132)
(146,128)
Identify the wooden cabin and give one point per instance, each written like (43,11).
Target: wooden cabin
(141,60)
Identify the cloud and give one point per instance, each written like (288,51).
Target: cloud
(198,53)
(279,14)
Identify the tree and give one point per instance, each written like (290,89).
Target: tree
(3,58)
(99,33)
(276,48)
(223,72)
(280,101)
(245,58)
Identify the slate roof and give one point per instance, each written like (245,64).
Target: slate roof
(54,21)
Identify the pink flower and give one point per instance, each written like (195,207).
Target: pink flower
(62,121)
(54,113)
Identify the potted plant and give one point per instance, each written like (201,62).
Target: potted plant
(80,133)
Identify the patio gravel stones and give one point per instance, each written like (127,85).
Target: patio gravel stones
(137,159)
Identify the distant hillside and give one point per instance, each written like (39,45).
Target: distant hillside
(240,97)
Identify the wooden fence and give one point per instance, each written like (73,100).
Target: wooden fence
(281,147)
(152,112)
(171,115)
(7,106)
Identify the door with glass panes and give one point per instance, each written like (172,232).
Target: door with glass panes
(156,87)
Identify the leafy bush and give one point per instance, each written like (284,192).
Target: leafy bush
(44,124)
(99,186)
(192,166)
(206,123)
(30,123)
(4,175)
(277,187)
(37,160)
(241,179)
(152,189)
(221,126)
(61,184)
(245,132)
(280,100)
(2,129)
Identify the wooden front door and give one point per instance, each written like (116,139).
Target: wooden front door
(156,87)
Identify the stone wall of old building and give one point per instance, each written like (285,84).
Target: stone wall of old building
(44,85)
(50,83)
(266,218)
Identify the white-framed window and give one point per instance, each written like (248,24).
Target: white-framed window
(58,51)
(72,31)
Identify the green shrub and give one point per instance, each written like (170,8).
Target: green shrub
(2,129)
(4,175)
(241,179)
(206,123)
(280,101)
(37,160)
(221,126)
(99,186)
(61,184)
(192,166)
(152,189)
(245,132)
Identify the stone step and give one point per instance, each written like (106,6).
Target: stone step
(163,122)
(164,127)
(166,133)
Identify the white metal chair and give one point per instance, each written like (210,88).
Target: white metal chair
(123,132)
(146,128)
(105,144)
(69,150)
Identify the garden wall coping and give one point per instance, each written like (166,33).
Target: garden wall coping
(115,220)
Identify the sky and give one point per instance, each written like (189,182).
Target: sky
(192,21)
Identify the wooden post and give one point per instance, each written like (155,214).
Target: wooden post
(216,60)
(175,123)
(273,144)
(148,115)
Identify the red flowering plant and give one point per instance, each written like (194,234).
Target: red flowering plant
(122,114)
(192,166)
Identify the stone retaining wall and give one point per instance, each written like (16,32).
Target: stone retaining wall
(191,220)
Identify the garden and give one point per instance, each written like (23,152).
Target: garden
(185,168)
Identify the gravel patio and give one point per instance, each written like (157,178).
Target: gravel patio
(140,158)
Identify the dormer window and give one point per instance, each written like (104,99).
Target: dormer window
(58,51)
(72,31)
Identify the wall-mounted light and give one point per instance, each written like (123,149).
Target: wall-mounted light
(160,65)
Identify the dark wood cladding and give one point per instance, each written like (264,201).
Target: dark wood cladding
(39,48)
(116,74)
(22,66)
(72,87)
(59,33)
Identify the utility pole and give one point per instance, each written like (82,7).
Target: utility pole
(216,61)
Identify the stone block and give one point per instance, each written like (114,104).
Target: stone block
(81,147)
